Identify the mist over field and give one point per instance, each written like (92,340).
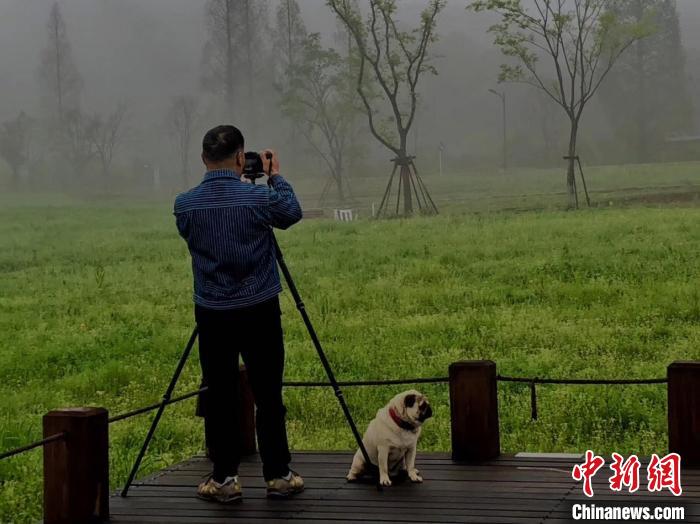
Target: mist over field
(145,56)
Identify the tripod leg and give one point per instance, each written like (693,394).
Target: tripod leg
(321,354)
(159,413)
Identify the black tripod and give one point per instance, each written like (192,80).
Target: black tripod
(317,344)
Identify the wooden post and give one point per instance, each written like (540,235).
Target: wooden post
(247,414)
(474,407)
(684,411)
(76,468)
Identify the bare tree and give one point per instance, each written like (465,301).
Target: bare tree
(343,39)
(289,35)
(319,99)
(77,135)
(218,61)
(59,76)
(106,135)
(180,122)
(253,36)
(581,40)
(395,59)
(15,136)
(237,32)
(391,62)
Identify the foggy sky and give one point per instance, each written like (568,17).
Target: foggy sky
(146,51)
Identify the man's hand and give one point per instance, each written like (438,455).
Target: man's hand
(267,161)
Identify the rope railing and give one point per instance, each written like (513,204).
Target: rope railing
(28,447)
(146,409)
(389,382)
(531,381)
(573,381)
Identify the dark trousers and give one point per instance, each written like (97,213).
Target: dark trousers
(256,334)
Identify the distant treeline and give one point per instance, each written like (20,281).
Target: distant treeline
(285,86)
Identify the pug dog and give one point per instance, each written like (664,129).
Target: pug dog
(392,436)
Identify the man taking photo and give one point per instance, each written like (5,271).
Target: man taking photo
(227,224)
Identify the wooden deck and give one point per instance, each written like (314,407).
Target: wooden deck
(510,489)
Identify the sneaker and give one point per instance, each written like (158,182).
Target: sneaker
(281,487)
(229,491)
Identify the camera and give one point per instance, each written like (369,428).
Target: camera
(253,168)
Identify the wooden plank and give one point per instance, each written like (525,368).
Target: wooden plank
(388,495)
(362,515)
(437,458)
(299,504)
(204,468)
(327,519)
(419,514)
(503,490)
(514,475)
(451,484)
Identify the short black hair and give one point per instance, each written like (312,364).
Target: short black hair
(221,143)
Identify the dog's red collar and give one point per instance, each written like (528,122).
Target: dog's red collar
(400,422)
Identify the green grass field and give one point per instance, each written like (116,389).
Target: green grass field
(95,310)
(526,189)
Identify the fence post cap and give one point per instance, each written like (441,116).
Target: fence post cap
(472,364)
(77,412)
(684,364)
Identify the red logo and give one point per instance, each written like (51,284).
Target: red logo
(587,471)
(626,473)
(661,473)
(665,473)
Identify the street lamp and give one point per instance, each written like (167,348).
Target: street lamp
(442,150)
(502,96)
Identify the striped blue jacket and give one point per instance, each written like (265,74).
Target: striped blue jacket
(228,228)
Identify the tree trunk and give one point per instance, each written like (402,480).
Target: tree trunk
(252,115)
(641,98)
(230,90)
(15,177)
(407,191)
(571,173)
(249,51)
(186,163)
(290,52)
(338,175)
(59,84)
(405,174)
(405,181)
